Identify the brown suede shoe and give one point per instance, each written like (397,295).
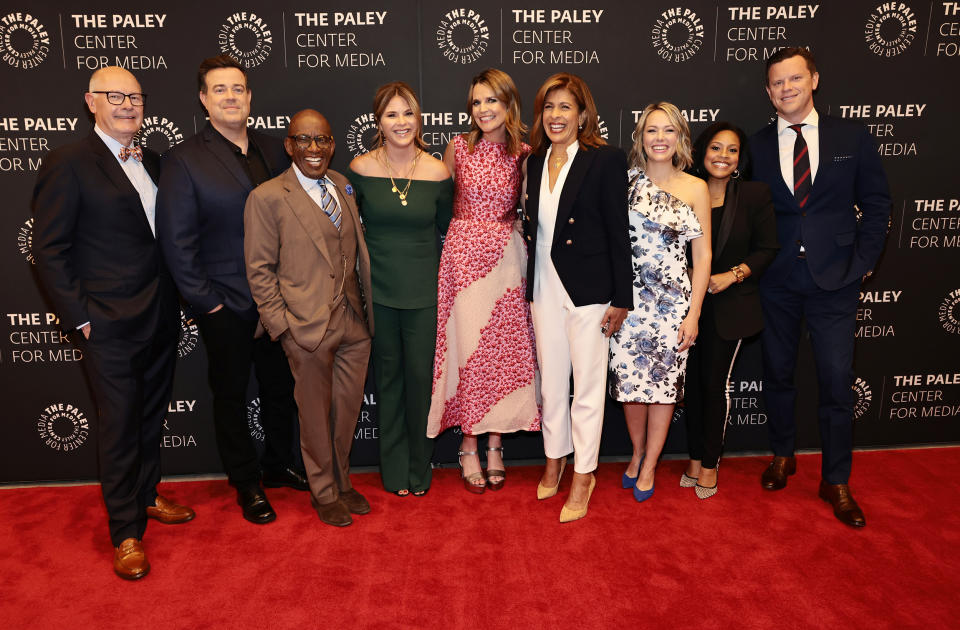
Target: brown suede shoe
(355,502)
(775,476)
(334,513)
(166,511)
(130,560)
(844,507)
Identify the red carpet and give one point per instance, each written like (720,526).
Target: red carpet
(746,558)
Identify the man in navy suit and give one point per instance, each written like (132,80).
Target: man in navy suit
(821,170)
(97,257)
(203,189)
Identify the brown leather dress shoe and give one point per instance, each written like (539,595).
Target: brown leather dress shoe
(166,511)
(130,560)
(355,502)
(775,476)
(334,513)
(844,507)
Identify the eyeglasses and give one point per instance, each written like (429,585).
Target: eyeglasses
(116,98)
(304,141)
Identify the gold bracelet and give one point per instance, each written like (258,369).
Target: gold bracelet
(738,273)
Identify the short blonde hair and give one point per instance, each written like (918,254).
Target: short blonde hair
(683,157)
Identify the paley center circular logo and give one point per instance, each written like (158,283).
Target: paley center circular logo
(462,36)
(63,427)
(158,133)
(362,134)
(189,336)
(253,420)
(25,241)
(863,397)
(890,29)
(677,34)
(949,312)
(24,40)
(245,37)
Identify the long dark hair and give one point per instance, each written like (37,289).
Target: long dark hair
(704,139)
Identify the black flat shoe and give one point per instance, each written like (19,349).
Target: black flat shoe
(285,478)
(255,506)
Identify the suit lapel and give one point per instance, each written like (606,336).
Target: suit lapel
(771,147)
(308,213)
(223,153)
(730,205)
(151,162)
(113,171)
(571,186)
(828,150)
(534,174)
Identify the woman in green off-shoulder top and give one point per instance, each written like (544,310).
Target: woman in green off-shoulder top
(405,196)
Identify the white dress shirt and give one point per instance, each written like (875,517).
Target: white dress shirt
(311,187)
(138,176)
(787,137)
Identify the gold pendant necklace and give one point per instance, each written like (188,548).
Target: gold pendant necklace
(402,194)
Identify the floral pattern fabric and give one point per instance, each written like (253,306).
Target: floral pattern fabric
(645,365)
(485,368)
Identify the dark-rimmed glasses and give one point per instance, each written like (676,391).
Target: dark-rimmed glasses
(117,98)
(304,141)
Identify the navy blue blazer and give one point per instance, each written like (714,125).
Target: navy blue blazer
(200,201)
(96,255)
(591,239)
(840,249)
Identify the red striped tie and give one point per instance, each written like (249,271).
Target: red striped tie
(801,168)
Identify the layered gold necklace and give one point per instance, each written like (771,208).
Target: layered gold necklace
(406,189)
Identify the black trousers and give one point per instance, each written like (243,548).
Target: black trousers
(231,350)
(131,383)
(706,402)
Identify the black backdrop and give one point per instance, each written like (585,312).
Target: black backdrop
(891,64)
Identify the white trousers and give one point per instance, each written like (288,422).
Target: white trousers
(569,338)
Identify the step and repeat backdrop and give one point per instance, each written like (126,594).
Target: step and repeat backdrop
(891,65)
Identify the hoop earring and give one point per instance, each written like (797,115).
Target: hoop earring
(736,173)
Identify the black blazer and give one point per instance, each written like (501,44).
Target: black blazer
(202,193)
(591,240)
(95,252)
(839,248)
(747,234)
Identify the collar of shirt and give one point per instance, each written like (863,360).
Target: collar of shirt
(571,151)
(113,144)
(309,183)
(812,119)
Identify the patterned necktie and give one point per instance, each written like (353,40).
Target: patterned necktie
(128,152)
(328,204)
(801,168)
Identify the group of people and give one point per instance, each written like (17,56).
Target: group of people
(492,276)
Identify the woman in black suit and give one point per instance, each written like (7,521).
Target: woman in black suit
(579,275)
(745,243)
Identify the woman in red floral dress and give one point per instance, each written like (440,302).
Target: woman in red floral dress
(485,377)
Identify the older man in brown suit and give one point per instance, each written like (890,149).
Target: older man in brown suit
(309,273)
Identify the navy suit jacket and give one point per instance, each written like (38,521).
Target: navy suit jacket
(202,193)
(96,255)
(840,249)
(591,239)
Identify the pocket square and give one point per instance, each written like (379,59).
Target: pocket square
(842,158)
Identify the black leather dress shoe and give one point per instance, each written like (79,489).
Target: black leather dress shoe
(286,478)
(255,506)
(844,507)
(775,476)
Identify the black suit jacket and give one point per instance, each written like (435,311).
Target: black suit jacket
(840,249)
(203,190)
(747,234)
(591,240)
(96,254)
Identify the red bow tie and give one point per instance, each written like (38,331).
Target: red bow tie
(128,152)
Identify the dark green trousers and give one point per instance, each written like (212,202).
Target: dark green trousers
(403,350)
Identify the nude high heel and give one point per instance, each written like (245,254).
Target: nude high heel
(543,492)
(569,514)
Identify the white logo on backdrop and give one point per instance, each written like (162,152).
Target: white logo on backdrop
(246,38)
(361,134)
(677,34)
(890,29)
(63,427)
(462,36)
(24,40)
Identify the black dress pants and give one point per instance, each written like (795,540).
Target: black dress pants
(231,350)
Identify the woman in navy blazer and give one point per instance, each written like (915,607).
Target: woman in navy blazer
(579,275)
(745,243)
